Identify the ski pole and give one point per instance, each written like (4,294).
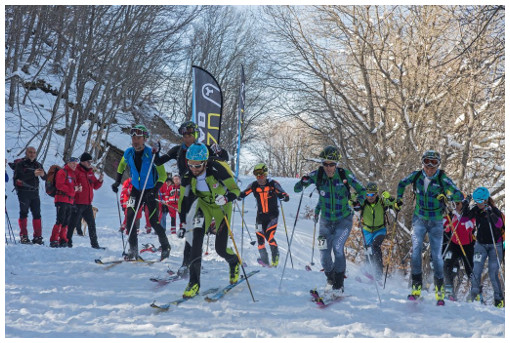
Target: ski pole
(140,201)
(313,243)
(369,256)
(291,237)
(393,233)
(207,246)
(450,239)
(242,229)
(286,233)
(225,217)
(120,219)
(252,242)
(11,231)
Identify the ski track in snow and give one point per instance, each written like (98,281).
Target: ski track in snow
(63,293)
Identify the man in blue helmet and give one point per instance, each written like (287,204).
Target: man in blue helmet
(212,184)
(430,187)
(146,180)
(189,132)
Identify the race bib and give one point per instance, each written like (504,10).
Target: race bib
(477,257)
(321,243)
(131,202)
(448,255)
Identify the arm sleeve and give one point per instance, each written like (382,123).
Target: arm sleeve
(299,186)
(457,195)
(404,183)
(170,155)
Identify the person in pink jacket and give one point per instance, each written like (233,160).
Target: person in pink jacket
(85,178)
(65,182)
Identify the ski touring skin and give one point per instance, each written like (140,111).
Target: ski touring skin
(166,306)
(222,292)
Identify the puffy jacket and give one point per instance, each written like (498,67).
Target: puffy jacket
(65,180)
(88,181)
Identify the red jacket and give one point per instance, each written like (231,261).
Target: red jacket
(65,181)
(88,181)
(126,192)
(464,228)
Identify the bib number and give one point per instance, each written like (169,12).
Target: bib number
(477,257)
(321,243)
(448,255)
(131,202)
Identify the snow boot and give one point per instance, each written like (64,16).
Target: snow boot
(416,287)
(191,290)
(38,240)
(234,272)
(55,236)
(263,255)
(275,255)
(330,277)
(499,303)
(22,222)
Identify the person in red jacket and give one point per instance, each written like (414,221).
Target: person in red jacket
(462,246)
(170,192)
(65,182)
(85,178)
(124,197)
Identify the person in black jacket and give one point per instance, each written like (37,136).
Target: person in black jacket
(489,243)
(266,191)
(26,181)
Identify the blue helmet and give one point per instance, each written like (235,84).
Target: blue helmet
(481,194)
(197,152)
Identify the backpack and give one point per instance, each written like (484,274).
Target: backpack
(50,186)
(14,163)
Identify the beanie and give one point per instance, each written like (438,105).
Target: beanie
(85,157)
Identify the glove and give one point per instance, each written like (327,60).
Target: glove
(386,195)
(156,148)
(115,187)
(285,197)
(316,218)
(182,230)
(398,204)
(442,197)
(216,148)
(220,200)
(356,206)
(305,180)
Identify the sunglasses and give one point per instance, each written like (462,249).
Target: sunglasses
(430,162)
(259,172)
(138,133)
(371,194)
(331,164)
(186,131)
(186,134)
(196,166)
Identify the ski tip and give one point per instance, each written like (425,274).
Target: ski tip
(308,268)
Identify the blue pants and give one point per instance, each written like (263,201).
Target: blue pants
(332,237)
(434,228)
(482,251)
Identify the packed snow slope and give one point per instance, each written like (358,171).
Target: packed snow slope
(62,293)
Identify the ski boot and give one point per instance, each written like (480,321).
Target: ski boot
(65,244)
(448,293)
(338,284)
(263,256)
(234,272)
(24,240)
(476,297)
(165,253)
(440,293)
(38,240)
(183,272)
(132,254)
(54,244)
(275,255)
(191,290)
(499,303)
(416,287)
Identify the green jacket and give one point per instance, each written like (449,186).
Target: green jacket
(333,193)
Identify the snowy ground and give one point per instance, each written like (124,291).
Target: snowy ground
(63,293)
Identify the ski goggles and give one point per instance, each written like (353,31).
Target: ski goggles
(259,172)
(329,164)
(186,131)
(371,194)
(139,133)
(479,201)
(73,159)
(429,162)
(196,166)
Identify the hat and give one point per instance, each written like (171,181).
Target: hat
(73,159)
(85,157)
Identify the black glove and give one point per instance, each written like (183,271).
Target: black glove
(356,206)
(398,204)
(305,180)
(115,187)
(182,230)
(285,198)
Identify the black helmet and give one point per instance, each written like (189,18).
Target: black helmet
(189,127)
(330,153)
(372,187)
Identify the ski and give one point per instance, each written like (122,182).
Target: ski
(221,293)
(166,306)
(168,279)
(263,264)
(113,263)
(325,301)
